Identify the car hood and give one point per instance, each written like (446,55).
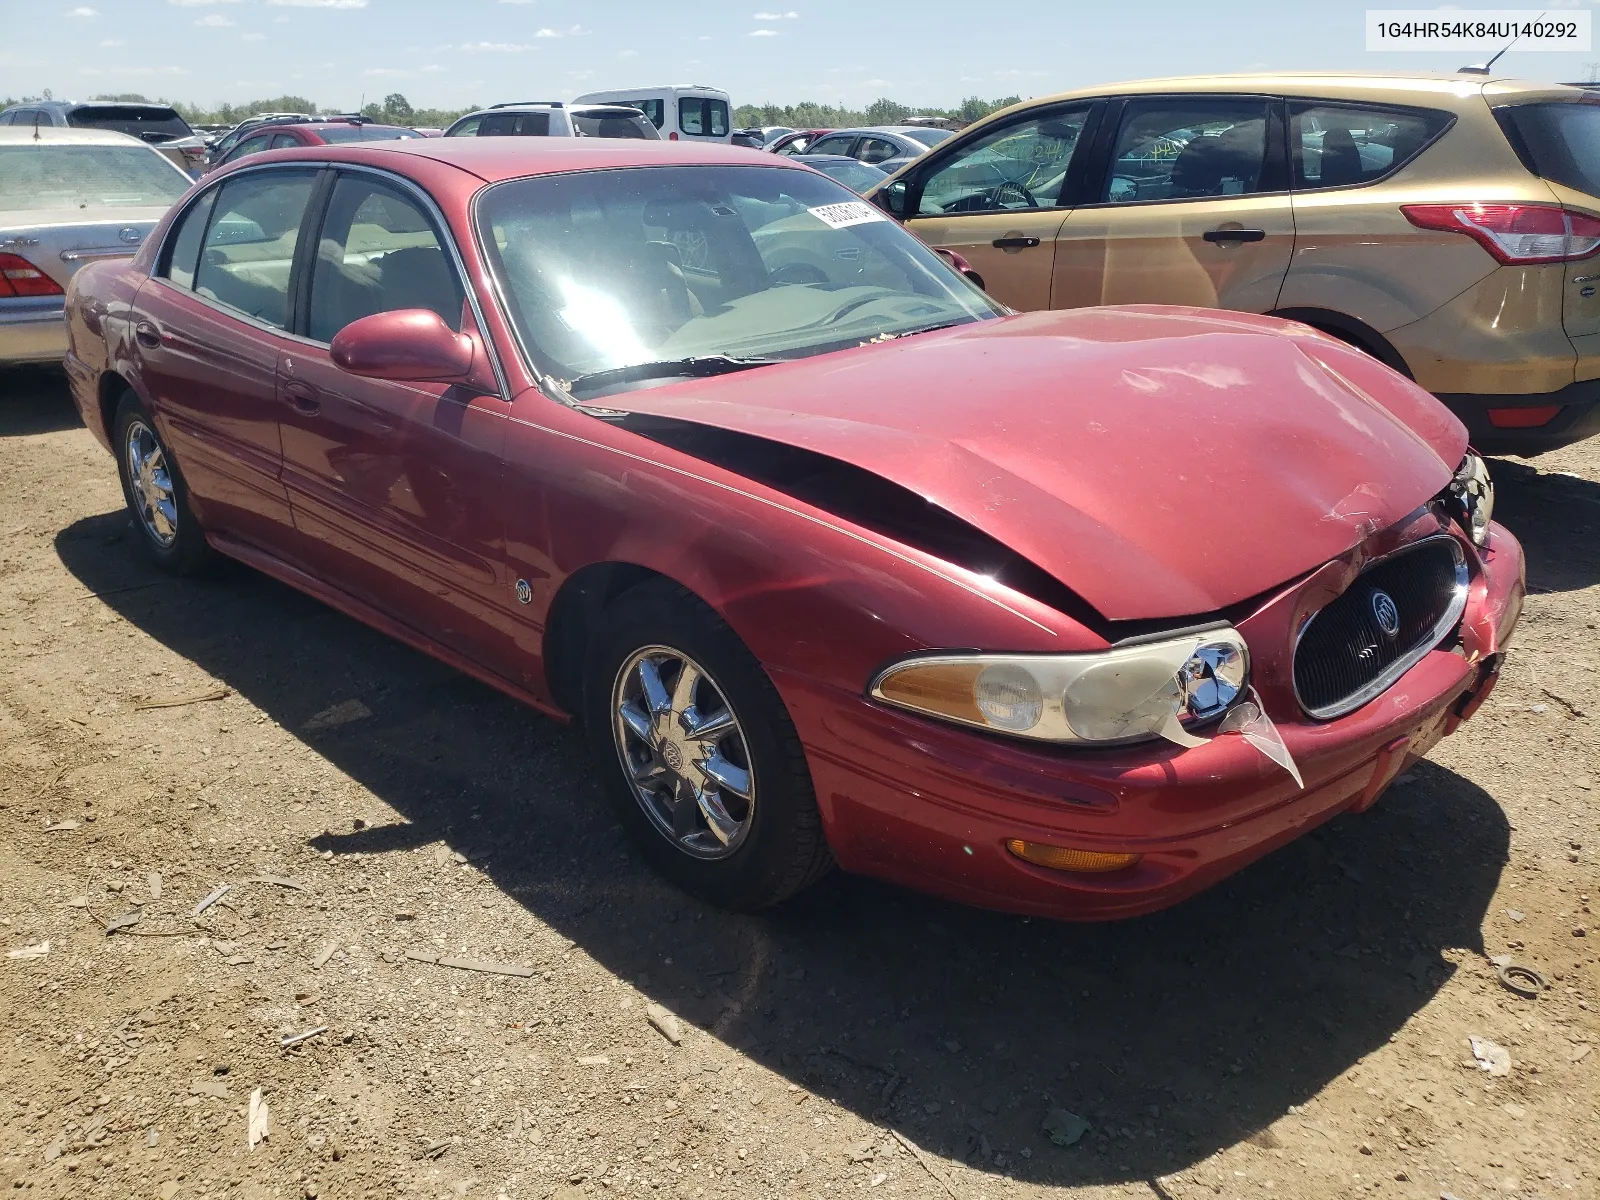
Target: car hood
(1160,462)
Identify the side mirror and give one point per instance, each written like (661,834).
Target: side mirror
(961,264)
(891,197)
(409,344)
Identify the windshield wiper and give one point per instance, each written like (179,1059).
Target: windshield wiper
(693,368)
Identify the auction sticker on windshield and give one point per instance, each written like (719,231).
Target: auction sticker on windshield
(849,212)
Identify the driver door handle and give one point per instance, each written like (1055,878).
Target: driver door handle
(147,334)
(303,397)
(1234,235)
(1018,243)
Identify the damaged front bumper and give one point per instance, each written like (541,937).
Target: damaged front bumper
(932,806)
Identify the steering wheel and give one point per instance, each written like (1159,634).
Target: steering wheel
(1013,189)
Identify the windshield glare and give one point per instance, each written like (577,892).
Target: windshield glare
(56,176)
(604,269)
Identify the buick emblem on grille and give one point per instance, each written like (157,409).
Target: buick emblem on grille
(1386,613)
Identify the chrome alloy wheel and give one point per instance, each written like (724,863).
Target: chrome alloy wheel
(150,482)
(683,752)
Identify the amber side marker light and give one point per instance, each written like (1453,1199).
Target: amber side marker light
(1062,858)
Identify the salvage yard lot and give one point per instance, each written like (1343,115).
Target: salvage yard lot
(1301,1030)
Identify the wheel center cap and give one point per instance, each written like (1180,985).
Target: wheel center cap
(673,756)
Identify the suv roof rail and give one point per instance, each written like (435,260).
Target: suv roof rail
(520,103)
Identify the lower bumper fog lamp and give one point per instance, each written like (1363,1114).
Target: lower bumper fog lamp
(1063,858)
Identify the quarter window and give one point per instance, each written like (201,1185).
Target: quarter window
(1019,165)
(702,116)
(185,252)
(1338,146)
(248,252)
(378,252)
(1188,149)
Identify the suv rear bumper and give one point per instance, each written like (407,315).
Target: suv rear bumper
(1577,417)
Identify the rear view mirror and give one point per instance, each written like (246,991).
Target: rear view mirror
(410,344)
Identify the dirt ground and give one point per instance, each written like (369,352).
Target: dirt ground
(1301,1031)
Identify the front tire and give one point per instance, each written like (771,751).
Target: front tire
(697,753)
(156,495)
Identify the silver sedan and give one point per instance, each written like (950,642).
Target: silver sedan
(67,197)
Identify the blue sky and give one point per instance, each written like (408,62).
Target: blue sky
(450,53)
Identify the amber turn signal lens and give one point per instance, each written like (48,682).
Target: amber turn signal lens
(1063,858)
(945,688)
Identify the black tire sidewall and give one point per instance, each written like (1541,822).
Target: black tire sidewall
(774,861)
(188,552)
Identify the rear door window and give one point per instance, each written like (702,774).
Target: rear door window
(250,145)
(702,116)
(1338,145)
(1559,142)
(1186,148)
(837,144)
(248,254)
(378,252)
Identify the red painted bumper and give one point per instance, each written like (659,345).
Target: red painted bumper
(930,806)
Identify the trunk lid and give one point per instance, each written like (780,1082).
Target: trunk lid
(59,242)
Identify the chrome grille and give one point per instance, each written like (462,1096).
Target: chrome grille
(1396,611)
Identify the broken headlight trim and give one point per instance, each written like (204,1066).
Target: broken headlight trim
(1471,496)
(1127,694)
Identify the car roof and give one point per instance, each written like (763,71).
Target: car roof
(495,158)
(66,134)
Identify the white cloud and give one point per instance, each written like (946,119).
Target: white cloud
(387,73)
(772,16)
(495,47)
(873,83)
(763,33)
(198,3)
(575,31)
(82,11)
(516,1)
(215,21)
(431,69)
(111,41)
(254,37)
(318,3)
(134,71)
(627,54)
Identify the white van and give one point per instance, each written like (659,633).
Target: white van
(683,111)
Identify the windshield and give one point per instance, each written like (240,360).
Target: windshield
(928,137)
(55,176)
(153,124)
(362,133)
(605,269)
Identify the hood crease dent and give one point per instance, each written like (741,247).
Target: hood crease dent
(1156,462)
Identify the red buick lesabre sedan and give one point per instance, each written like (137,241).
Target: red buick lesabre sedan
(835,559)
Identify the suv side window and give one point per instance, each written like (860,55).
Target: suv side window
(1186,148)
(467,128)
(183,249)
(1336,145)
(247,256)
(1022,164)
(528,124)
(378,252)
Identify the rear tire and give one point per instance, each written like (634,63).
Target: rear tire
(156,495)
(697,753)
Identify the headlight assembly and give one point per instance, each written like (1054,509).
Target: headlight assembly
(1471,495)
(1131,693)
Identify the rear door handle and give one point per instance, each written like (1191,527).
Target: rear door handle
(1014,243)
(1234,235)
(147,335)
(303,397)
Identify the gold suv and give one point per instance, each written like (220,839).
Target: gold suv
(1447,226)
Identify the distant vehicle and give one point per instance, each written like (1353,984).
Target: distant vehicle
(949,123)
(156,124)
(798,142)
(683,110)
(551,118)
(887,146)
(68,197)
(857,176)
(427,130)
(280,135)
(750,139)
(220,146)
(771,133)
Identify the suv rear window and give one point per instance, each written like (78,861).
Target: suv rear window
(1345,145)
(1559,142)
(150,122)
(612,125)
(703,117)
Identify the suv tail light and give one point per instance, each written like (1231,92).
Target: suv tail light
(19,277)
(1514,233)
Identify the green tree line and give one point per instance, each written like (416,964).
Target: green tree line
(395,109)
